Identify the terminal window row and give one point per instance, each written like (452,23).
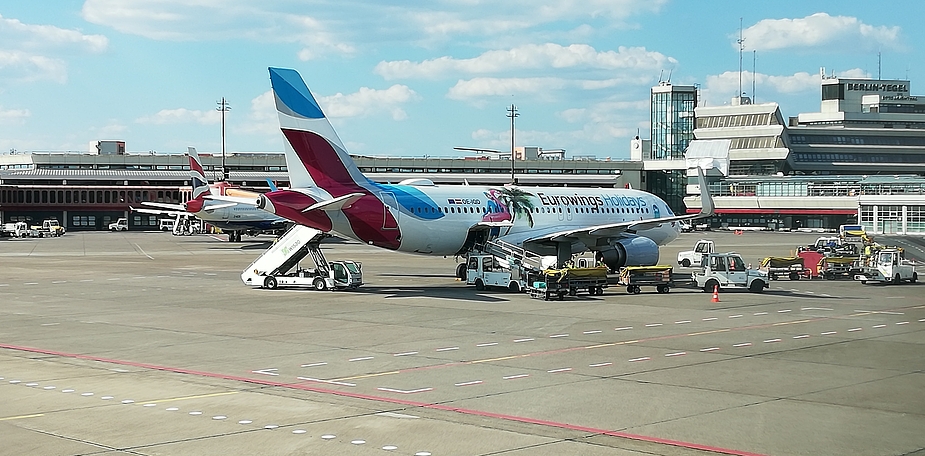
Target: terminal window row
(858,158)
(740,120)
(858,140)
(13,196)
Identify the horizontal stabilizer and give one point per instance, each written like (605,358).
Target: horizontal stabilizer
(336,204)
(212,207)
(172,207)
(164,212)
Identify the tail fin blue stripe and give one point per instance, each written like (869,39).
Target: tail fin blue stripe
(292,95)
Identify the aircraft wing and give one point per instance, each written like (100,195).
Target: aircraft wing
(172,207)
(616,229)
(158,211)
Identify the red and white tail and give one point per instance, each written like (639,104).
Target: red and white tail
(197,175)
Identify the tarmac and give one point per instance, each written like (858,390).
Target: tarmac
(149,344)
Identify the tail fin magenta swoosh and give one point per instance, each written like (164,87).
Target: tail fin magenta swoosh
(315,155)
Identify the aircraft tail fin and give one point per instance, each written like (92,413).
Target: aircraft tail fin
(197,175)
(315,155)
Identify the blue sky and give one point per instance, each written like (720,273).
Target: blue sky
(408,78)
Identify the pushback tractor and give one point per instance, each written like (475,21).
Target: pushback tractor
(280,265)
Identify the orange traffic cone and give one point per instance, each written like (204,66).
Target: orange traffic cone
(715,294)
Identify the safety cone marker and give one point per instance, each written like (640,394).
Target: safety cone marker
(715,293)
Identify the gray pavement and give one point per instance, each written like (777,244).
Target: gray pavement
(149,344)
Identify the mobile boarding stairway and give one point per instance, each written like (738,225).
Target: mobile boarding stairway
(280,265)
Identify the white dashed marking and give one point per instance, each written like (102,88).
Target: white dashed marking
(330,382)
(735,316)
(902,323)
(486,344)
(271,371)
(709,349)
(878,326)
(652,325)
(743,344)
(644,358)
(599,364)
(405,354)
(681,322)
(784,311)
(512,377)
(558,335)
(362,358)
(528,339)
(759,313)
(447,349)
(594,331)
(563,369)
(855,329)
(708,319)
(828,333)
(393,390)
(801,336)
(771,341)
(473,382)
(624,328)
(675,354)
(314,365)
(328,436)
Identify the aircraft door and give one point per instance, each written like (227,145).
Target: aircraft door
(561,214)
(389,207)
(568,213)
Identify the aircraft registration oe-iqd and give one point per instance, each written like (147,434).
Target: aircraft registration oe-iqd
(624,227)
(232,217)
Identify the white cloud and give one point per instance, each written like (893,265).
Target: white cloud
(25,66)
(181,116)
(37,52)
(368,101)
(542,88)
(13,116)
(262,118)
(530,57)
(201,20)
(719,89)
(822,31)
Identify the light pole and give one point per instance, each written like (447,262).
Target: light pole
(223,107)
(512,113)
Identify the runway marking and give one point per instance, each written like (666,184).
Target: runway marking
(314,364)
(433,406)
(816,308)
(828,333)
(473,382)
(558,335)
(902,323)
(528,339)
(4,284)
(855,329)
(143,252)
(59,281)
(653,325)
(643,358)
(878,326)
(709,319)
(594,331)
(735,316)
(405,354)
(362,358)
(759,313)
(675,354)
(709,349)
(771,341)
(8,418)
(784,311)
(514,377)
(270,371)
(600,364)
(682,322)
(414,391)
(31,283)
(198,396)
(486,344)
(446,349)
(330,382)
(801,336)
(624,328)
(563,369)
(743,344)
(377,374)
(87,280)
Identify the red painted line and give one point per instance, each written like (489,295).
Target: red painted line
(304,387)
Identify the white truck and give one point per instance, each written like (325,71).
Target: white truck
(485,271)
(21,230)
(727,270)
(119,225)
(50,227)
(280,265)
(695,257)
(889,267)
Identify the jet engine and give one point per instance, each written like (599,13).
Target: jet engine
(632,251)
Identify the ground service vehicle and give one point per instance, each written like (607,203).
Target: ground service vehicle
(21,230)
(557,283)
(119,225)
(792,267)
(166,224)
(50,227)
(695,257)
(634,277)
(280,266)
(485,270)
(727,270)
(889,267)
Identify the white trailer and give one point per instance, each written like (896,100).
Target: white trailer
(280,265)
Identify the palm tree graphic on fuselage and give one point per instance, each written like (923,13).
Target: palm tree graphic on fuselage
(509,203)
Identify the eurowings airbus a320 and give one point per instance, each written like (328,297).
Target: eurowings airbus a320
(329,193)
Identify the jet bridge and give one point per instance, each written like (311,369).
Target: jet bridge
(280,264)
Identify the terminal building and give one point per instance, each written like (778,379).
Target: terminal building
(860,159)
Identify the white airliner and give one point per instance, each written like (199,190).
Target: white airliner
(328,192)
(233,218)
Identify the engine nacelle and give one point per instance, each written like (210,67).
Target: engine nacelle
(634,251)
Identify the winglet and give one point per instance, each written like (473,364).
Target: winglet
(707,208)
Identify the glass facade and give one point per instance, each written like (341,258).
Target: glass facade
(672,123)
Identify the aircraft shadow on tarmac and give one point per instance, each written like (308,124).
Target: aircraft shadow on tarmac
(437,292)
